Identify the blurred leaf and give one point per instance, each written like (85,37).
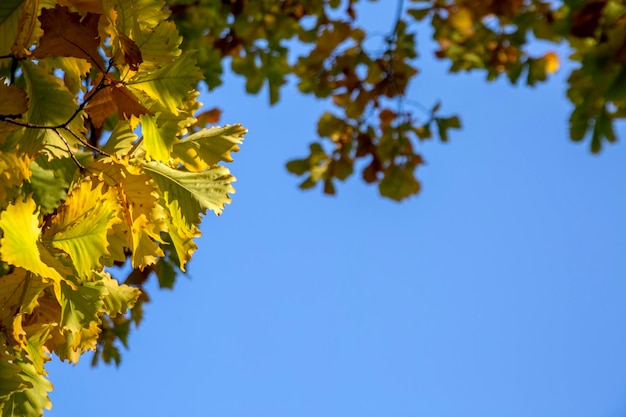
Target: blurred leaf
(399,183)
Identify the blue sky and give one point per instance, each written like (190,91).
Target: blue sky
(498,291)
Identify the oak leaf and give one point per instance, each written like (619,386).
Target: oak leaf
(68,34)
(114,96)
(13,100)
(132,53)
(21,245)
(81,224)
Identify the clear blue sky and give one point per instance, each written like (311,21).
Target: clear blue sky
(499,291)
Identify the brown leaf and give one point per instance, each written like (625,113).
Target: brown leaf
(13,100)
(370,172)
(209,117)
(65,34)
(101,106)
(132,54)
(386,118)
(114,96)
(585,21)
(127,104)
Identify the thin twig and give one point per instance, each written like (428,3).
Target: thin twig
(87,144)
(69,150)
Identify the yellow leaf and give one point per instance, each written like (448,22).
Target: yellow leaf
(182,234)
(16,30)
(20,245)
(551,62)
(81,224)
(13,171)
(142,218)
(463,21)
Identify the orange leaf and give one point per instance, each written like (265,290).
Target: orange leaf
(551,60)
(65,34)
(209,117)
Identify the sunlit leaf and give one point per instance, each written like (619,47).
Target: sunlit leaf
(81,225)
(196,192)
(201,150)
(21,245)
(171,84)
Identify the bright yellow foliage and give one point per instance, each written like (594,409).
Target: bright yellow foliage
(74,202)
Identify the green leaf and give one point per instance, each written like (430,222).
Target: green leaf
(157,142)
(181,232)
(80,306)
(603,129)
(10,13)
(195,191)
(51,104)
(19,291)
(158,46)
(418,14)
(121,140)
(166,272)
(146,14)
(200,150)
(170,84)
(31,401)
(399,183)
(117,298)
(50,180)
(298,166)
(443,124)
(10,382)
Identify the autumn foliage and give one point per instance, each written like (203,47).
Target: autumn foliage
(102,163)
(107,164)
(372,128)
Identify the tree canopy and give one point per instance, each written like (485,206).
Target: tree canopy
(108,161)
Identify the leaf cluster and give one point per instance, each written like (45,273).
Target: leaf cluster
(373,126)
(102,164)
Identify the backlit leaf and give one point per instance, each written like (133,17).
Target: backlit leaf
(117,298)
(69,34)
(81,225)
(80,306)
(171,84)
(20,244)
(195,191)
(29,402)
(51,104)
(209,146)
